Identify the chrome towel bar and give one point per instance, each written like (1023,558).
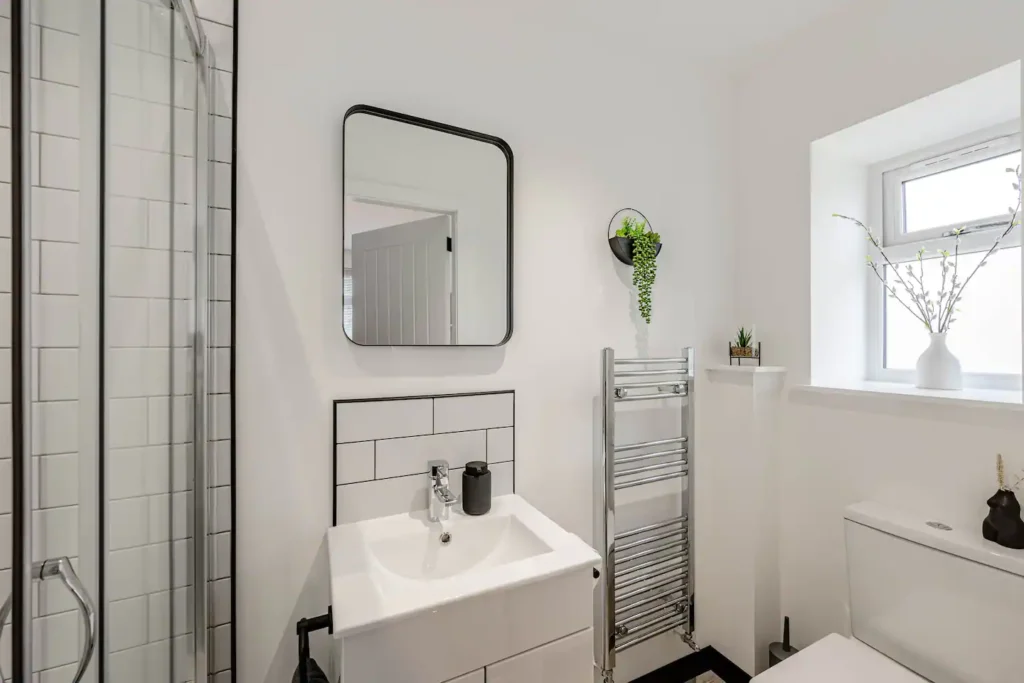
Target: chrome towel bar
(652,551)
(629,607)
(650,385)
(651,397)
(653,616)
(684,622)
(650,444)
(650,480)
(654,575)
(649,456)
(651,539)
(652,527)
(652,361)
(647,587)
(649,468)
(679,578)
(624,624)
(650,373)
(652,563)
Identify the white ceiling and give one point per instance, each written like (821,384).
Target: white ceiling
(725,29)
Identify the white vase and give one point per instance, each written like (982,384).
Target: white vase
(938,368)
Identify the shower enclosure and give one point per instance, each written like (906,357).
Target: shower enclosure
(112,375)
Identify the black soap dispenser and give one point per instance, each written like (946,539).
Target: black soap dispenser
(476,488)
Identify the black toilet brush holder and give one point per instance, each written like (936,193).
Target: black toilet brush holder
(778,652)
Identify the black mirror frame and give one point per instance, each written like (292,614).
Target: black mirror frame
(451,130)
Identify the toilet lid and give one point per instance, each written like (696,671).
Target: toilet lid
(836,659)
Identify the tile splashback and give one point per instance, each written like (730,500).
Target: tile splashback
(382,447)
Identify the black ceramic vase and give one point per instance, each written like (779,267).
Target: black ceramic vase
(1003,524)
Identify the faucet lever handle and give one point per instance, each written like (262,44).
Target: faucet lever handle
(438,468)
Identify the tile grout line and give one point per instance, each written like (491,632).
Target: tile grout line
(420,436)
(407,476)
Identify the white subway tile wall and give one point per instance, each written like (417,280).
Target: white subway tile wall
(355,462)
(54,148)
(369,420)
(461,413)
(500,444)
(383,447)
(150,265)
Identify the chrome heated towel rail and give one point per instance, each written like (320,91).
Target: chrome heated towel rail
(647,584)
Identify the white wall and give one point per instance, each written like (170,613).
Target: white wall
(874,56)
(593,127)
(737,535)
(868,59)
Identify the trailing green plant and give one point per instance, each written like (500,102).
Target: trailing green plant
(744,337)
(645,263)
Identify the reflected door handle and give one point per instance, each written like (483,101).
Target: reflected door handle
(60,567)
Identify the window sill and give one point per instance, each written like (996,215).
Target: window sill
(876,393)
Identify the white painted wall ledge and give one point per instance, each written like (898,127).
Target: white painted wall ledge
(736,374)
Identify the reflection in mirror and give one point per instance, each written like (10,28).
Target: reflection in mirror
(427,233)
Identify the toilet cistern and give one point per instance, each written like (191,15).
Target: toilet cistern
(441,497)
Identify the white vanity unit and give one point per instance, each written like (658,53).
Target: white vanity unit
(507,596)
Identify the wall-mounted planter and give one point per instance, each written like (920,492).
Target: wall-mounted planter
(622,247)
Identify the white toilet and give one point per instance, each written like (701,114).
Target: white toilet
(927,603)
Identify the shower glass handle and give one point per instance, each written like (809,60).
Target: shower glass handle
(60,567)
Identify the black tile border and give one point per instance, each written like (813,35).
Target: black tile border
(375,399)
(21,233)
(232,364)
(705,660)
(232,407)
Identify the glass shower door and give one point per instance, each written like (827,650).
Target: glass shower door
(51,87)
(103,308)
(154,597)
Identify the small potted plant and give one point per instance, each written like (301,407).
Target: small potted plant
(742,348)
(635,244)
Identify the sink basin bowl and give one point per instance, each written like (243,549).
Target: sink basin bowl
(481,544)
(395,567)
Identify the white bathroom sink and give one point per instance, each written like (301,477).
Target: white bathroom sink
(393,567)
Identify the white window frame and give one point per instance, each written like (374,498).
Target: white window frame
(887,210)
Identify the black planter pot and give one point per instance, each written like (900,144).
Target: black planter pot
(622,247)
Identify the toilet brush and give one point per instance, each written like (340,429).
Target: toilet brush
(780,651)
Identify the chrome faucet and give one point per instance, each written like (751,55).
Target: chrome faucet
(441,497)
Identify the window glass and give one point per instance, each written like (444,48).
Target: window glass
(986,334)
(960,195)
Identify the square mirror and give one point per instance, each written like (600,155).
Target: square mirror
(427,228)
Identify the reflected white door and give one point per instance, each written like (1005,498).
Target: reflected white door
(402,283)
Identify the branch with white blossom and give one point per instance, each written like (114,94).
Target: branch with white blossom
(935,314)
